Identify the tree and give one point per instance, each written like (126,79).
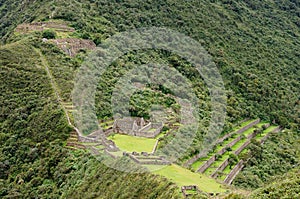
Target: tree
(49,34)
(233,160)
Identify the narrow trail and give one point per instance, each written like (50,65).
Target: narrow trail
(54,85)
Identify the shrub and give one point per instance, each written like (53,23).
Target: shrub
(49,34)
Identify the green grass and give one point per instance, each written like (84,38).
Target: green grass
(248,131)
(271,128)
(197,164)
(182,177)
(216,164)
(162,134)
(131,143)
(238,144)
(227,170)
(200,161)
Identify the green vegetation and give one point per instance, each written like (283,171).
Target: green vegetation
(49,34)
(182,176)
(33,131)
(279,154)
(253,43)
(131,143)
(226,155)
(286,186)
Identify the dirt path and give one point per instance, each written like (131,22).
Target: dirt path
(53,84)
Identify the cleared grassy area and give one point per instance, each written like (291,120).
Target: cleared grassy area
(197,164)
(153,167)
(182,177)
(131,143)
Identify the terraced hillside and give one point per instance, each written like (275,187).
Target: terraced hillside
(254,45)
(223,161)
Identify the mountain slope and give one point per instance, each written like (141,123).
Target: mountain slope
(255,45)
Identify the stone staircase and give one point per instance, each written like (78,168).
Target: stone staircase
(69,107)
(73,142)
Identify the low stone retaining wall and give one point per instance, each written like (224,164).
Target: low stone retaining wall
(200,155)
(233,142)
(184,190)
(233,173)
(108,153)
(221,152)
(155,146)
(236,152)
(248,126)
(220,168)
(206,164)
(86,139)
(239,150)
(240,130)
(150,160)
(229,178)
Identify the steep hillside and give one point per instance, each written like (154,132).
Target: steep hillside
(255,45)
(33,130)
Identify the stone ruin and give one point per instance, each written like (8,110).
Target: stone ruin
(41,26)
(137,127)
(185,189)
(72,46)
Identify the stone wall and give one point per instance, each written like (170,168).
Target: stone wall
(233,142)
(229,178)
(108,153)
(135,127)
(239,150)
(147,127)
(240,130)
(72,46)
(236,152)
(220,168)
(86,139)
(206,164)
(221,152)
(147,159)
(200,155)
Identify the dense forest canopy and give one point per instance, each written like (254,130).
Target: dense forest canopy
(255,45)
